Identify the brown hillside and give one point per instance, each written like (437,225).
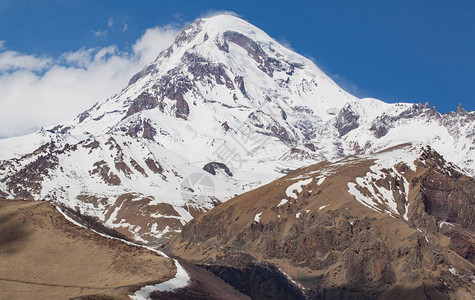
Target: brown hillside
(336,247)
(44,256)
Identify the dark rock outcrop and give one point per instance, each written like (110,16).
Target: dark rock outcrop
(213,167)
(172,86)
(347,120)
(239,80)
(142,102)
(258,281)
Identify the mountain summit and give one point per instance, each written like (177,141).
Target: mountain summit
(221,111)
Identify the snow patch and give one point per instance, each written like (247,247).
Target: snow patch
(322,207)
(378,197)
(68,217)
(320,180)
(454,272)
(257,217)
(180,280)
(282,202)
(442,223)
(297,186)
(427,240)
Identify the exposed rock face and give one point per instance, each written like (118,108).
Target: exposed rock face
(449,199)
(324,237)
(101,168)
(203,285)
(146,220)
(258,281)
(83,116)
(252,48)
(41,164)
(212,167)
(461,110)
(311,147)
(203,69)
(381,125)
(142,102)
(142,128)
(347,120)
(239,80)
(147,70)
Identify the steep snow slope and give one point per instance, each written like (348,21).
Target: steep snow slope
(224,97)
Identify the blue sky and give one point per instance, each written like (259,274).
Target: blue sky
(396,51)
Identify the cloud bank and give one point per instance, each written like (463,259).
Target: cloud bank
(38,91)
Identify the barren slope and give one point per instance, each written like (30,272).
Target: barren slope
(44,256)
(399,223)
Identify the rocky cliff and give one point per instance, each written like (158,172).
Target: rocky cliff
(395,224)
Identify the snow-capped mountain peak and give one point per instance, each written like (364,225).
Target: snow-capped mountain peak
(223,110)
(226,60)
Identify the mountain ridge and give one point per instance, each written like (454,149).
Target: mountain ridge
(398,223)
(223,93)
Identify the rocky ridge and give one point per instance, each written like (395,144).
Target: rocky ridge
(330,229)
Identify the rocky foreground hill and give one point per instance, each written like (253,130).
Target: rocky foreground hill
(393,225)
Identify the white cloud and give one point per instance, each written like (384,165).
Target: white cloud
(2,45)
(125,27)
(179,17)
(349,86)
(153,39)
(212,13)
(69,84)
(100,33)
(12,60)
(284,42)
(80,58)
(110,22)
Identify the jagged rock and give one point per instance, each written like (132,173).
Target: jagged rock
(347,120)
(311,147)
(225,126)
(461,110)
(142,102)
(212,167)
(239,80)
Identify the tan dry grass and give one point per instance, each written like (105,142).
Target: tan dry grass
(44,256)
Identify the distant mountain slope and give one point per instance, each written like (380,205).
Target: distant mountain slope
(394,224)
(223,110)
(44,256)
